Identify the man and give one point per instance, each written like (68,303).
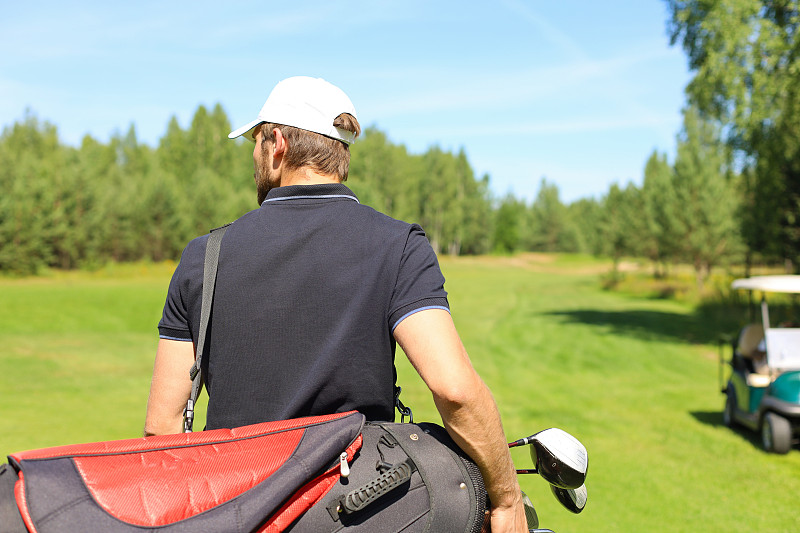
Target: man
(313,291)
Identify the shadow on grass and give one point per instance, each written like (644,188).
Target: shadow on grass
(708,324)
(714,419)
(699,327)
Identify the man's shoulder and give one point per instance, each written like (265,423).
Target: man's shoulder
(382,218)
(196,248)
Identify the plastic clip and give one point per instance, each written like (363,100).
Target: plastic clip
(188,417)
(404,411)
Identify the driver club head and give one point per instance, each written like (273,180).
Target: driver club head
(573,499)
(560,458)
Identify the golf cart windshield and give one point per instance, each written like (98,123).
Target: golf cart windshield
(782,343)
(783,348)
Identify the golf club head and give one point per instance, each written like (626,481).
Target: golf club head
(560,458)
(530,513)
(573,499)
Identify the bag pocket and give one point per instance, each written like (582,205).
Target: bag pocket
(221,480)
(406,478)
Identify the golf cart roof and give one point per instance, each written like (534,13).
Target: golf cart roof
(790,284)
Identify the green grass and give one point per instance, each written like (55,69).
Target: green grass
(633,376)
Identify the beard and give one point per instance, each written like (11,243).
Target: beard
(262,187)
(264,179)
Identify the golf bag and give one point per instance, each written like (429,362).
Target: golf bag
(316,474)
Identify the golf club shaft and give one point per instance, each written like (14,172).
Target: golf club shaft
(520,442)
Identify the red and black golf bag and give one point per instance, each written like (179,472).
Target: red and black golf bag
(317,474)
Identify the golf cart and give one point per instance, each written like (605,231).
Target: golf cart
(763,391)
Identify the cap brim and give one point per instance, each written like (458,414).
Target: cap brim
(244,130)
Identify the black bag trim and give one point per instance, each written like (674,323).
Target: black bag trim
(426,451)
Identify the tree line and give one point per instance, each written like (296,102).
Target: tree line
(71,207)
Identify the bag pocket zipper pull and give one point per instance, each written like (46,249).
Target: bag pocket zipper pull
(343,466)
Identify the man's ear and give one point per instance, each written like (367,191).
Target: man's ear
(279,146)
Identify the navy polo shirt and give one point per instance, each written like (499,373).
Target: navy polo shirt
(309,290)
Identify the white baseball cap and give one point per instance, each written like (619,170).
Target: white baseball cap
(310,104)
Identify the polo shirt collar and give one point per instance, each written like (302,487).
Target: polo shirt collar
(320,191)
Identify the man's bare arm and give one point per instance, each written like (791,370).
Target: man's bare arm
(469,412)
(170,387)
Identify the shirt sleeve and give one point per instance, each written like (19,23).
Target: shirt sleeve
(420,283)
(179,320)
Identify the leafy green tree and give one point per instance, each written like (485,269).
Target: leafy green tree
(173,151)
(99,177)
(550,227)
(744,54)
(222,151)
(436,189)
(586,216)
(706,199)
(619,213)
(659,209)
(32,174)
(383,176)
(508,224)
(638,230)
(468,216)
(158,219)
(476,226)
(440,209)
(211,174)
(207,146)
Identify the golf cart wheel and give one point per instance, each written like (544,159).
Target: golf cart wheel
(730,407)
(776,433)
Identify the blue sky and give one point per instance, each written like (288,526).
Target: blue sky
(579,92)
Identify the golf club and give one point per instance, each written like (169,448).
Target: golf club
(558,457)
(573,499)
(530,513)
(530,516)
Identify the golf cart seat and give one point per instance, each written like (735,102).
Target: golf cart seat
(753,350)
(750,338)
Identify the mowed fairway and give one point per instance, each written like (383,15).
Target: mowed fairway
(634,379)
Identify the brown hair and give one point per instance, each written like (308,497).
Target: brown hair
(321,153)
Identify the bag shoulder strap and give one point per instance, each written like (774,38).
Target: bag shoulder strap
(209,280)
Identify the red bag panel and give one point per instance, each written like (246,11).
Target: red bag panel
(172,441)
(164,486)
(199,480)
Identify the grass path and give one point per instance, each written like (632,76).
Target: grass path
(626,375)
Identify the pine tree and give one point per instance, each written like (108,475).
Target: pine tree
(660,207)
(706,199)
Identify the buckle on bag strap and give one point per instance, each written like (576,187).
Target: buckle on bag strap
(188,416)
